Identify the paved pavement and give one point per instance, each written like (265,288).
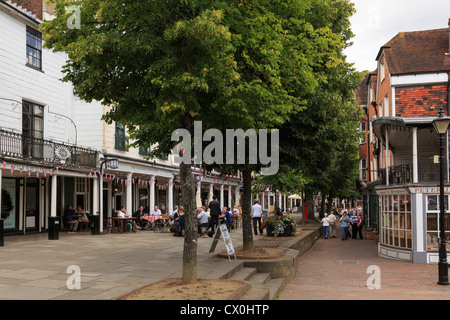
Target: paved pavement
(33,267)
(338,270)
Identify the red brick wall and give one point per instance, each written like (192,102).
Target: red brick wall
(34,6)
(420,101)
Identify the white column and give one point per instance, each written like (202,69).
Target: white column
(95,202)
(100,200)
(284,202)
(152,192)
(198,194)
(221,197)
(236,196)
(415,159)
(229,198)
(211,193)
(170,202)
(129,205)
(109,205)
(263,201)
(279,201)
(53,204)
(388,158)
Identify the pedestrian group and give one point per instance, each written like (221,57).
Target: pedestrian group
(351,222)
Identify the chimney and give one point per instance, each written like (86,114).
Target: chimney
(32,6)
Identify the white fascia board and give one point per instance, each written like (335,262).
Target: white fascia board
(418,79)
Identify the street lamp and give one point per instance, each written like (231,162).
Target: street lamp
(441,126)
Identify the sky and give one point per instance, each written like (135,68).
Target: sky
(377,21)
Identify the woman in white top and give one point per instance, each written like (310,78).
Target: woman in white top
(326,225)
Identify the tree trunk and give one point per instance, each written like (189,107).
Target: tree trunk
(322,206)
(247,233)
(191,233)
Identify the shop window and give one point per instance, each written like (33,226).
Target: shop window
(396,221)
(433,215)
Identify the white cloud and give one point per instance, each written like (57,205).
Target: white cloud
(378,21)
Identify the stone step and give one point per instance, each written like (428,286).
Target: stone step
(275,286)
(260,278)
(244,274)
(257,293)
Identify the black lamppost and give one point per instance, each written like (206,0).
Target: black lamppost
(441,126)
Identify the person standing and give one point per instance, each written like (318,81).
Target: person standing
(256,217)
(214,212)
(344,224)
(332,220)
(326,225)
(354,223)
(360,223)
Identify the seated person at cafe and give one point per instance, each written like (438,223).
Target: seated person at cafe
(226,215)
(179,222)
(124,214)
(203,221)
(83,218)
(70,220)
(155,211)
(163,209)
(145,224)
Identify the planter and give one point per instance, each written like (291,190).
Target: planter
(285,229)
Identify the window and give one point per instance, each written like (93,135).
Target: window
(32,129)
(433,214)
(386,106)
(121,142)
(363,169)
(362,129)
(396,221)
(34,48)
(382,71)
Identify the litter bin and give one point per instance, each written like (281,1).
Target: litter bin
(2,232)
(54,224)
(95,224)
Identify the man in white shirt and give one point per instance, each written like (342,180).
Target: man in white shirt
(155,211)
(174,211)
(203,221)
(256,217)
(332,220)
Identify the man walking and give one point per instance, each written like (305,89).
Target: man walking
(332,221)
(256,217)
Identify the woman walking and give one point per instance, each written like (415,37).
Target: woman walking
(344,224)
(326,225)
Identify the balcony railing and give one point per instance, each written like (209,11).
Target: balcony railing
(16,145)
(403,174)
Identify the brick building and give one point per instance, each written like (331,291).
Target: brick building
(401,181)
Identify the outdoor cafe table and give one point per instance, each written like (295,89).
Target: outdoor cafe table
(154,217)
(121,220)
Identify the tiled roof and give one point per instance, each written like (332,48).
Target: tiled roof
(361,92)
(418,52)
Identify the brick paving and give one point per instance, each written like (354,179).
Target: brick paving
(337,270)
